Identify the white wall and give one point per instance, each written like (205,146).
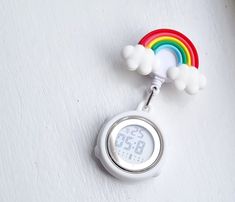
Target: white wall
(61,75)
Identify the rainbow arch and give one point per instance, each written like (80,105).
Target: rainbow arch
(181,45)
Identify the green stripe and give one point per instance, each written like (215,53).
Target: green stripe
(184,56)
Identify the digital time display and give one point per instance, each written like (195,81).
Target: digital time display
(130,146)
(134,144)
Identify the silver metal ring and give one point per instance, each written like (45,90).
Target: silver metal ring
(152,129)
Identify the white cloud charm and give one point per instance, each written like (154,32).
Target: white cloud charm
(141,59)
(187,78)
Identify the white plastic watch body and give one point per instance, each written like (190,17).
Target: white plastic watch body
(130,146)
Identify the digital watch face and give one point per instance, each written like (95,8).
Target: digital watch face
(134,144)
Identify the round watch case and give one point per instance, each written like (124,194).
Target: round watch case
(116,166)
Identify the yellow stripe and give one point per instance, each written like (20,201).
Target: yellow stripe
(159,39)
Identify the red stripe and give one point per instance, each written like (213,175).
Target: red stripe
(169,32)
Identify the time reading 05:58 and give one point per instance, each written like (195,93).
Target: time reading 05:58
(131,142)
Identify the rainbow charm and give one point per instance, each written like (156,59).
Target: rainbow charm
(145,58)
(183,48)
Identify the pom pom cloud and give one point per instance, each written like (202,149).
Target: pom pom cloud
(140,59)
(187,78)
(144,61)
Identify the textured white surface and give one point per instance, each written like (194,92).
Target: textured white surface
(61,75)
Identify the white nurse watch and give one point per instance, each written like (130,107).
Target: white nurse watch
(131,145)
